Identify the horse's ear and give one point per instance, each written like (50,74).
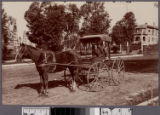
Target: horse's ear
(22,44)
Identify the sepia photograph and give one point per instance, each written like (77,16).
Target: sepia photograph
(80,53)
(90,111)
(75,111)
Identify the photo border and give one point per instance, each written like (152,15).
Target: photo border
(137,110)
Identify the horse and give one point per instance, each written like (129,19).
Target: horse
(42,58)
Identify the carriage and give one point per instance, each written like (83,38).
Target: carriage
(94,73)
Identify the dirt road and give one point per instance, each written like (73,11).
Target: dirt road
(20,85)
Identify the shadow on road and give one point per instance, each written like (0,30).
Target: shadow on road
(146,66)
(37,86)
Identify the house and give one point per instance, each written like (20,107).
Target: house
(14,44)
(146,35)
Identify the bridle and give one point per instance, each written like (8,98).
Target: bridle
(21,55)
(18,53)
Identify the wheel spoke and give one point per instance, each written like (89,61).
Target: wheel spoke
(118,69)
(97,75)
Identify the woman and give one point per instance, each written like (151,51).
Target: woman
(100,49)
(94,51)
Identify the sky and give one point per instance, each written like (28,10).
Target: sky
(145,12)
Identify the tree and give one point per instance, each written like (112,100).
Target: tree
(129,24)
(72,20)
(47,22)
(118,33)
(9,30)
(95,18)
(123,31)
(5,37)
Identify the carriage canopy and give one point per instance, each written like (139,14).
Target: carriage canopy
(95,38)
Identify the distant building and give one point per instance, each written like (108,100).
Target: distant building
(146,35)
(15,42)
(12,34)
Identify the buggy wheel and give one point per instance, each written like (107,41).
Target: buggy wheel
(117,71)
(104,73)
(97,76)
(92,74)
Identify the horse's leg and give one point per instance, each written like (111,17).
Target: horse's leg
(41,79)
(41,82)
(46,82)
(73,74)
(65,77)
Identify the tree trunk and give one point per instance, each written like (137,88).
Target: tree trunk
(120,48)
(128,48)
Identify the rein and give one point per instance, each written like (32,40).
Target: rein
(26,62)
(17,54)
(21,58)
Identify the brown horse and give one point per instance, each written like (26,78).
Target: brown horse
(41,57)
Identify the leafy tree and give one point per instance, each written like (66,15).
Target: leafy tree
(48,22)
(9,30)
(129,25)
(118,33)
(95,18)
(5,37)
(72,20)
(123,31)
(45,23)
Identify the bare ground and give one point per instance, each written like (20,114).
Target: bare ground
(20,86)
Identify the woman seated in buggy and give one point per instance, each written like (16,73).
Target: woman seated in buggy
(98,51)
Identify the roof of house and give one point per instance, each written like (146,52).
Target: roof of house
(147,26)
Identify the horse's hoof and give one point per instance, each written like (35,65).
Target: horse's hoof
(45,95)
(41,94)
(72,90)
(46,92)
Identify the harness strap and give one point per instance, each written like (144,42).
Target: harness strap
(45,57)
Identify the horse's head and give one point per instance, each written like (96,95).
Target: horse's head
(22,52)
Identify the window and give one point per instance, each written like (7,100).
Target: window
(152,31)
(137,38)
(144,39)
(155,32)
(148,39)
(148,30)
(139,31)
(144,31)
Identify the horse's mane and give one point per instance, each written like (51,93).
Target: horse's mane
(31,47)
(72,52)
